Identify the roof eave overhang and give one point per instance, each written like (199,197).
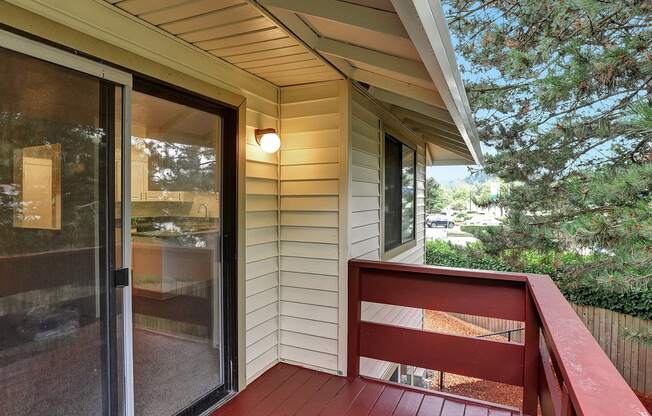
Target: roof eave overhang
(426,25)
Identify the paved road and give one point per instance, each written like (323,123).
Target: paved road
(440,233)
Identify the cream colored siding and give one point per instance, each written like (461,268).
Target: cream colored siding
(309,212)
(261,270)
(366,216)
(365,182)
(366,186)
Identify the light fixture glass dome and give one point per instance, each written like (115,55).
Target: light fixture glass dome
(269,142)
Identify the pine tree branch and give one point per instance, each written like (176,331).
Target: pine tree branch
(470,39)
(470,12)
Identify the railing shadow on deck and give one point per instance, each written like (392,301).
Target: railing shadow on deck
(560,365)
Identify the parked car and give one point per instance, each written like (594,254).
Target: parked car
(440,220)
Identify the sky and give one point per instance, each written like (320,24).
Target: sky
(447,175)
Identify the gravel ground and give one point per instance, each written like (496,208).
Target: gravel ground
(473,387)
(468,386)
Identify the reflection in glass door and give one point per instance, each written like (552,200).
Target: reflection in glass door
(57,306)
(175,232)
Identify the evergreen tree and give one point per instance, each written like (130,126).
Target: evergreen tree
(562,91)
(435,200)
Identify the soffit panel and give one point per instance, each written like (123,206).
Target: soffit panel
(236,32)
(438,156)
(376,4)
(356,35)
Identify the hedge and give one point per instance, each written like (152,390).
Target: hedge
(476,229)
(632,302)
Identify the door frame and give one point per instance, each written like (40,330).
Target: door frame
(228,226)
(107,75)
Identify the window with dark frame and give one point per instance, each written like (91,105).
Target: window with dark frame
(400,197)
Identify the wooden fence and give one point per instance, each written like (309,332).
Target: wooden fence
(612,330)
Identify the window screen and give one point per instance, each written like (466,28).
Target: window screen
(400,168)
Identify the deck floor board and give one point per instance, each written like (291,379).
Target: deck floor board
(288,390)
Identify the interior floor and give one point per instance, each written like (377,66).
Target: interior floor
(170,373)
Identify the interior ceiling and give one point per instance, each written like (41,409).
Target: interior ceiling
(364,39)
(237,32)
(156,118)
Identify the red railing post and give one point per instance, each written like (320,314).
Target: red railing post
(566,404)
(354,318)
(531,357)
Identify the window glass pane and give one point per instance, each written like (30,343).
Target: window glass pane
(400,198)
(52,272)
(175,229)
(407,200)
(392,193)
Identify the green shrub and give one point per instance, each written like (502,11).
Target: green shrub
(587,292)
(477,230)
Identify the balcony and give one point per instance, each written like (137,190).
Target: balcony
(560,367)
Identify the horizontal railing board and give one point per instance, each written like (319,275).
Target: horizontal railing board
(608,329)
(497,299)
(473,357)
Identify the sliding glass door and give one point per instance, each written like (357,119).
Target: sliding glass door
(176,250)
(59,350)
(116,297)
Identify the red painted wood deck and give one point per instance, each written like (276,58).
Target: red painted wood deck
(287,390)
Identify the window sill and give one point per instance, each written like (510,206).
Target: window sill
(390,254)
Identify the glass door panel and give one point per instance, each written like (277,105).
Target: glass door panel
(56,136)
(175,230)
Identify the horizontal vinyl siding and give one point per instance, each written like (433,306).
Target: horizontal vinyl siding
(262,251)
(366,188)
(310,169)
(365,220)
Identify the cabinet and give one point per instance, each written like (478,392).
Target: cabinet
(163,196)
(139,175)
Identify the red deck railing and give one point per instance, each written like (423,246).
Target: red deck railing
(560,365)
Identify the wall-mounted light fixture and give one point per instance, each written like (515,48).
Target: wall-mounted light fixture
(268,140)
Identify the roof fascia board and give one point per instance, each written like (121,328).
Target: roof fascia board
(424,21)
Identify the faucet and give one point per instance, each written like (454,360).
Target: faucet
(205,209)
